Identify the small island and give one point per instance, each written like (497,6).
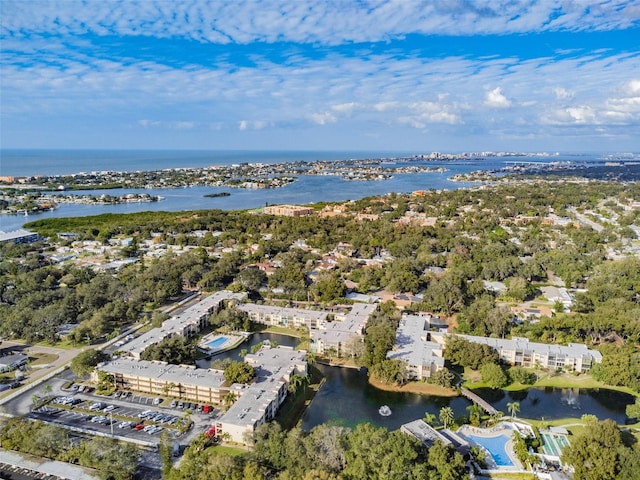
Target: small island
(217,194)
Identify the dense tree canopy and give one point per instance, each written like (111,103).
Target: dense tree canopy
(598,453)
(176,350)
(239,372)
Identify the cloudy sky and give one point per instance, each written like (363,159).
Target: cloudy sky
(447,75)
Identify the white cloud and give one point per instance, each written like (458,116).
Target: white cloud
(495,98)
(322,118)
(311,21)
(561,93)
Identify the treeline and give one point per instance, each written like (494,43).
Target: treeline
(327,452)
(36,299)
(478,235)
(113,460)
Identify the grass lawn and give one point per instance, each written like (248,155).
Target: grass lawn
(227,450)
(512,476)
(292,332)
(421,388)
(42,358)
(62,345)
(473,380)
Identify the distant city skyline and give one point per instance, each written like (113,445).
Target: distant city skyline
(399,75)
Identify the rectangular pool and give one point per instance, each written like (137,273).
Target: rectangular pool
(216,342)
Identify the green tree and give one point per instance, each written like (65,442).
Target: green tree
(390,372)
(177,350)
(443,377)
(514,408)
(429,418)
(633,410)
(493,375)
(594,453)
(85,361)
(475,413)
(446,416)
(239,372)
(448,464)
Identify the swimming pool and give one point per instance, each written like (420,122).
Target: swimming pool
(496,446)
(216,342)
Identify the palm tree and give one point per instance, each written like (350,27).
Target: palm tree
(446,416)
(475,412)
(311,359)
(47,389)
(429,418)
(495,417)
(295,383)
(229,399)
(513,407)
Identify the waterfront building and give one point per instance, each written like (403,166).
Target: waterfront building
(187,324)
(256,403)
(259,402)
(521,352)
(163,379)
(339,336)
(284,317)
(288,210)
(422,356)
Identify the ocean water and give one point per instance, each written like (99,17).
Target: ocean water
(59,162)
(306,189)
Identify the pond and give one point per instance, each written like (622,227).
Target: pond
(554,403)
(346,397)
(256,338)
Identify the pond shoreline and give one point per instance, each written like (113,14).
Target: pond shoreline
(419,388)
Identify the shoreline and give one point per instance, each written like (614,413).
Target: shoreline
(419,388)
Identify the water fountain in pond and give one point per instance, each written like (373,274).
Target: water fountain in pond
(384,410)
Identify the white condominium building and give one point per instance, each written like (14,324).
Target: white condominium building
(284,317)
(187,324)
(422,356)
(520,351)
(260,401)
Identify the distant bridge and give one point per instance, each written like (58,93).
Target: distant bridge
(476,399)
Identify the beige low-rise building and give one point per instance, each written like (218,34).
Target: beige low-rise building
(163,379)
(259,402)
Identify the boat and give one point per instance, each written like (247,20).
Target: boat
(384,410)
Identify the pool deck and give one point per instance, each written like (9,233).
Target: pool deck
(232,341)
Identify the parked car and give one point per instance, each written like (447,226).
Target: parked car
(124,424)
(139,426)
(173,404)
(157,401)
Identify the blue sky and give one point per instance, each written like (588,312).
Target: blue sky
(447,75)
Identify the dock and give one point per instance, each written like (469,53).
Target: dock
(476,399)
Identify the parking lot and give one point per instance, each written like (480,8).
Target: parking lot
(127,416)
